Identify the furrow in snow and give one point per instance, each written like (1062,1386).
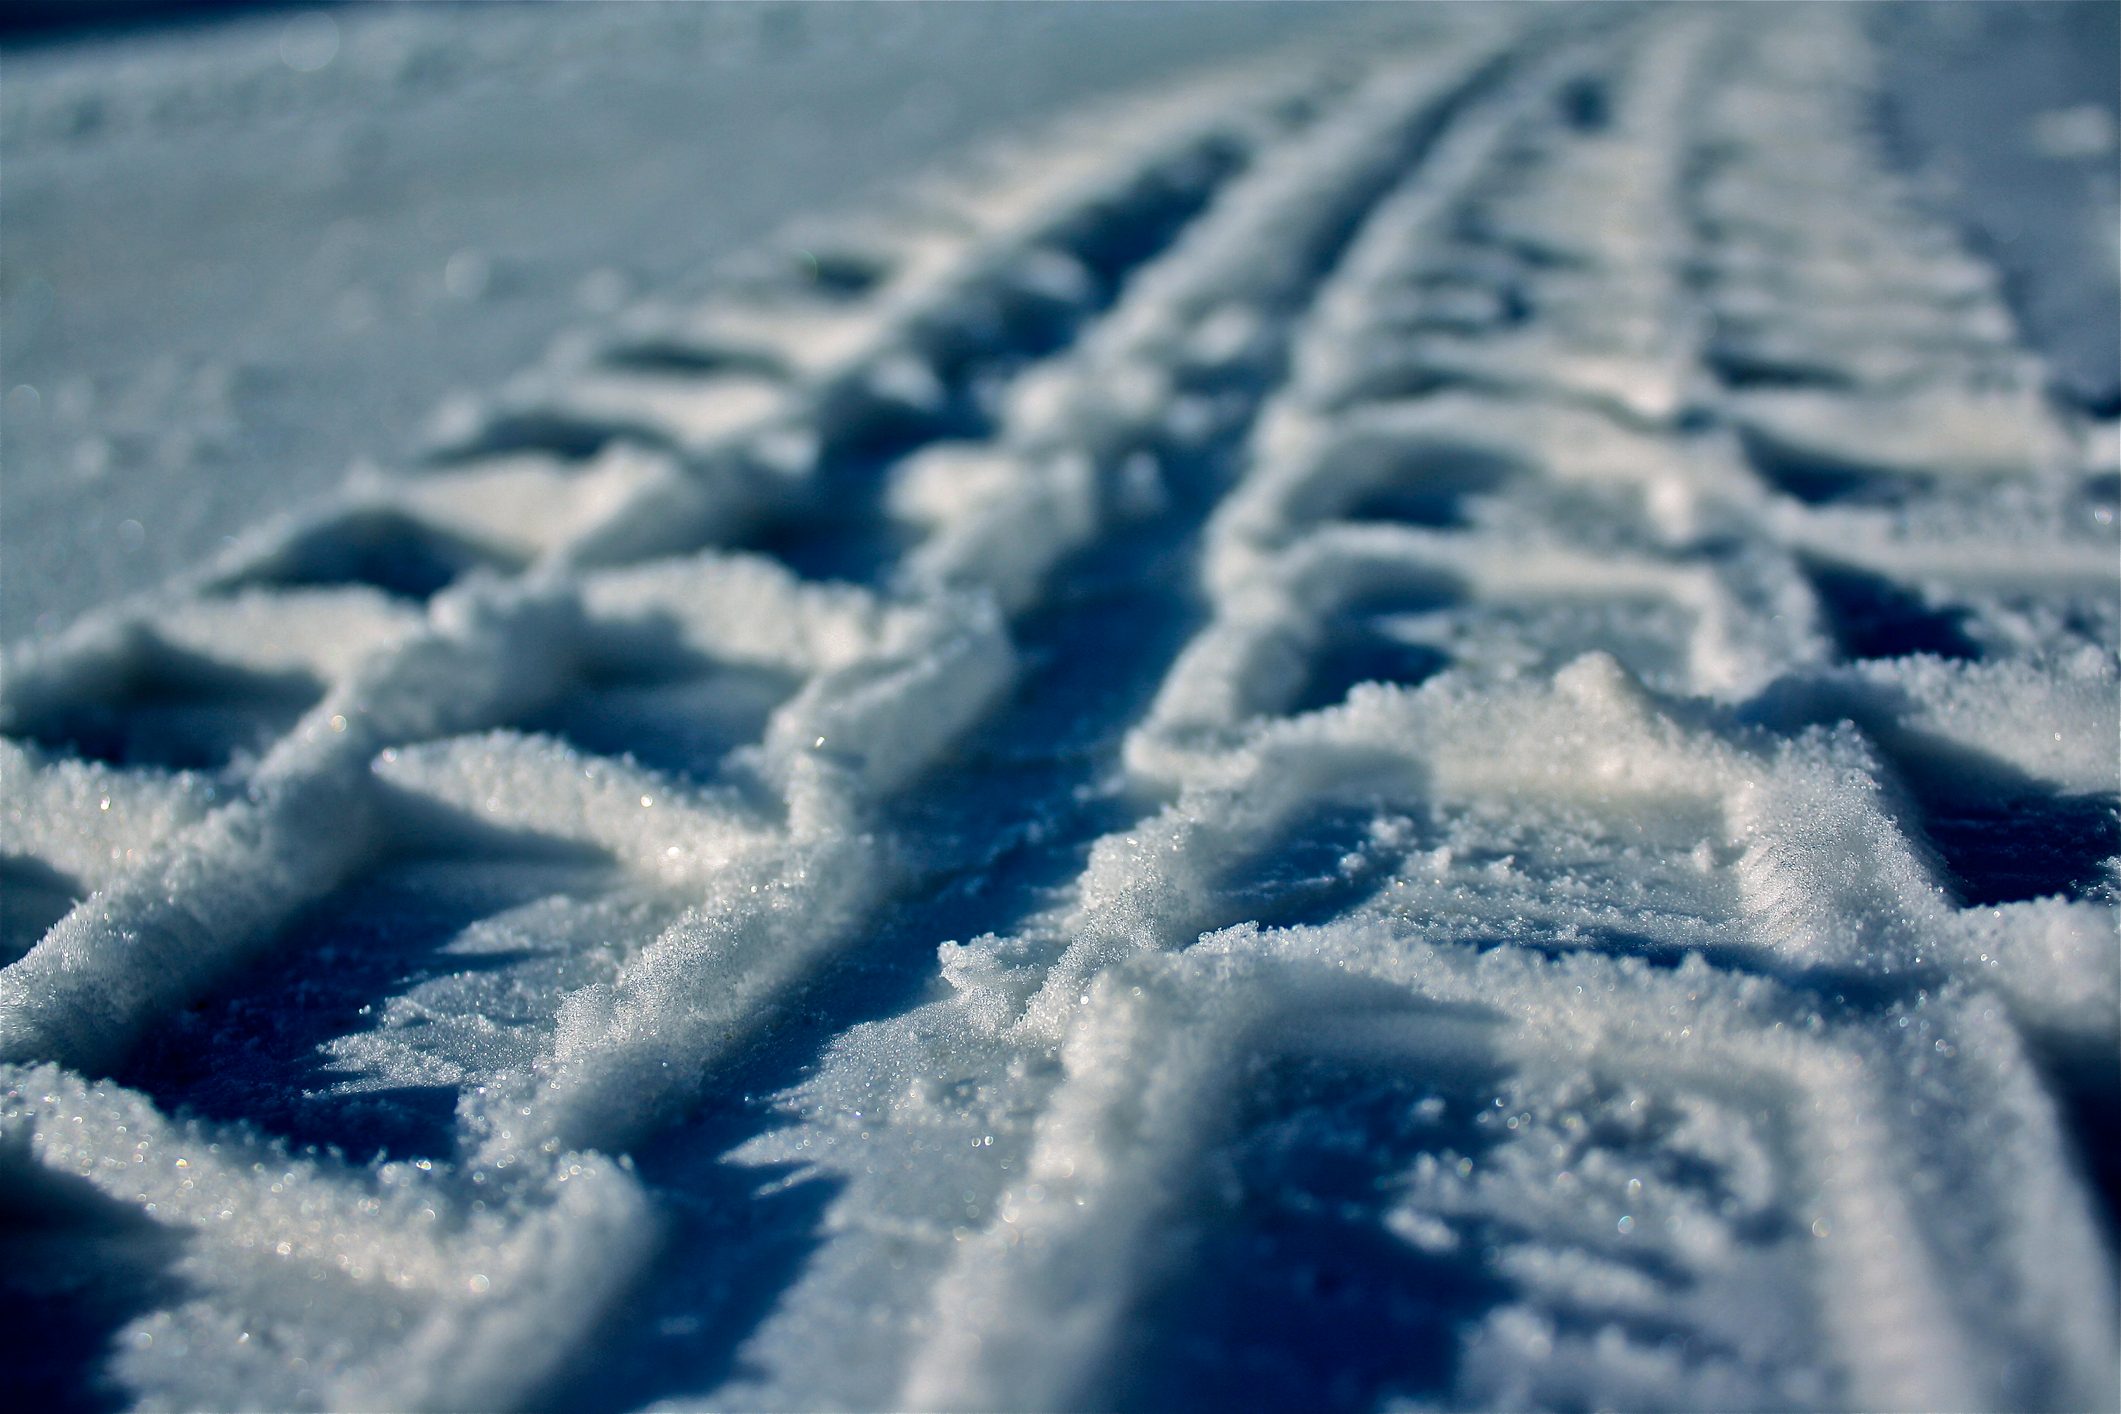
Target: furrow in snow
(1510,442)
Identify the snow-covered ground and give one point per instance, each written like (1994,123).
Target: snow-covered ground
(1062,708)
(241,259)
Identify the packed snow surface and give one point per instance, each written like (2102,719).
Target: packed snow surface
(1425,716)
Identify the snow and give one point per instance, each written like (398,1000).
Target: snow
(1418,713)
(155,378)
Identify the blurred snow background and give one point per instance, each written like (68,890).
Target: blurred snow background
(2009,114)
(239,255)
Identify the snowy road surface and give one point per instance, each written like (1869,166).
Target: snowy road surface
(1413,723)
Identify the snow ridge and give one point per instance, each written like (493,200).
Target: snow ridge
(1592,879)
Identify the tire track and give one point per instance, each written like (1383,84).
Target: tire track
(838,666)
(1624,830)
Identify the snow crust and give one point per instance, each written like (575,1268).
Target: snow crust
(1430,728)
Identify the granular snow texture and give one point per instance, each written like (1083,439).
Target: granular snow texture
(1425,716)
